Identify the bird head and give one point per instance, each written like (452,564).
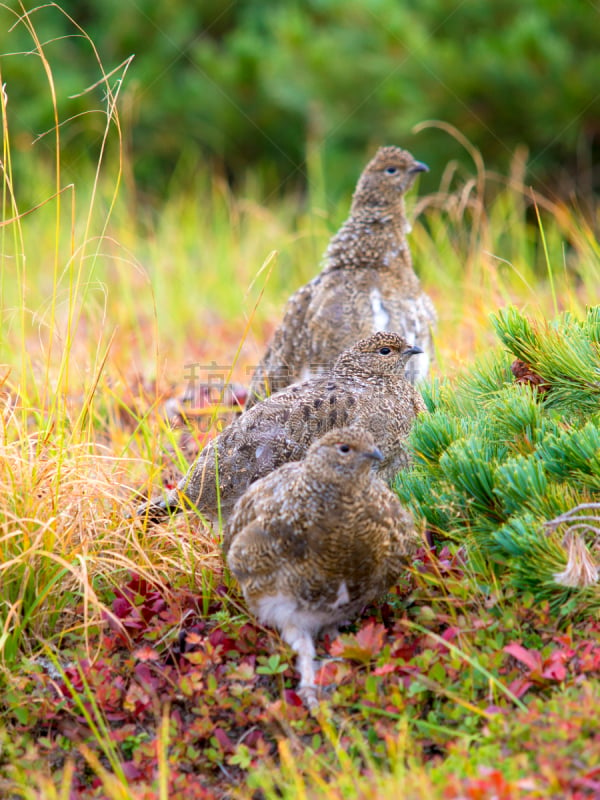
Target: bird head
(384,180)
(343,453)
(383,353)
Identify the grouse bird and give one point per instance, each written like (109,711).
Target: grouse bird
(367,387)
(315,541)
(367,284)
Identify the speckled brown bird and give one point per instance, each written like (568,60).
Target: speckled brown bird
(367,284)
(367,387)
(315,541)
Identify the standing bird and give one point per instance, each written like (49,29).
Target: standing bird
(367,284)
(315,541)
(366,387)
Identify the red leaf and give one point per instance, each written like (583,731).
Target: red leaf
(224,741)
(403,648)
(371,638)
(147,679)
(362,646)
(116,716)
(218,637)
(385,669)
(326,674)
(531,658)
(146,653)
(519,686)
(121,607)
(556,671)
(136,700)
(193,638)
(292,698)
(255,736)
(131,772)
(450,633)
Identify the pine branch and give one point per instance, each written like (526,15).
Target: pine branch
(496,459)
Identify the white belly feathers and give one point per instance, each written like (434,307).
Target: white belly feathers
(381,319)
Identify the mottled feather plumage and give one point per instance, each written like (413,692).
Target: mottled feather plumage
(366,387)
(367,284)
(315,541)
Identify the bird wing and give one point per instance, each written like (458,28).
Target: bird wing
(379,546)
(336,318)
(260,550)
(255,508)
(251,447)
(403,539)
(418,402)
(293,418)
(282,362)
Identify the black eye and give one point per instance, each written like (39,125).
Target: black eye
(385,351)
(391,170)
(344,448)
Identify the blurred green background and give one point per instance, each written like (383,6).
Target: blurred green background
(255,84)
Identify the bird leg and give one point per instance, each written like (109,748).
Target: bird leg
(302,642)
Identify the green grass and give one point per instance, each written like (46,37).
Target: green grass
(104,301)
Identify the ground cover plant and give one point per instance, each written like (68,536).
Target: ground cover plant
(129,666)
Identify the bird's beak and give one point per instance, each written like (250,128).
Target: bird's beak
(412,351)
(418,166)
(376,454)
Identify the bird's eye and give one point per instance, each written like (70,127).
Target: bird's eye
(385,351)
(391,170)
(344,448)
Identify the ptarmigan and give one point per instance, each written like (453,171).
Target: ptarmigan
(315,541)
(367,284)
(366,387)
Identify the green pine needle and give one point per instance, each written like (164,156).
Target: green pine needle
(496,459)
